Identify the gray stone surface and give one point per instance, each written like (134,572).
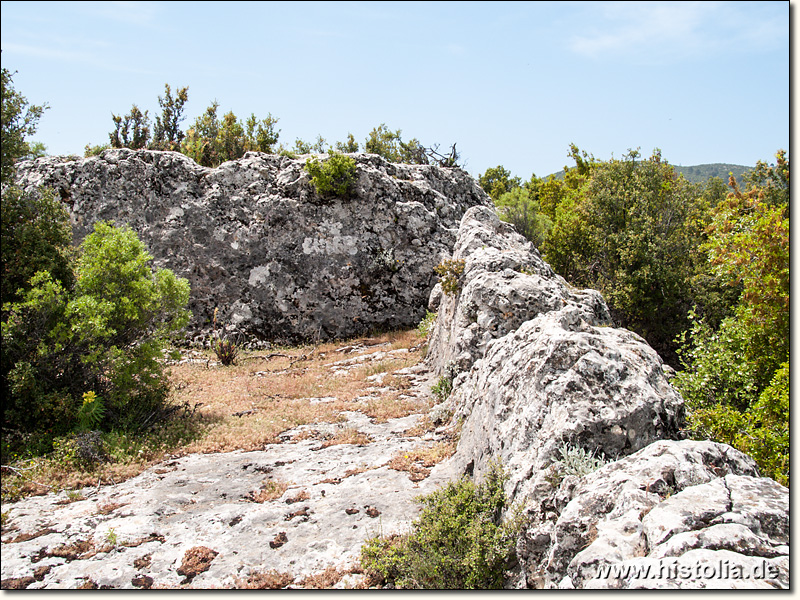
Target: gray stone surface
(505,283)
(255,240)
(349,493)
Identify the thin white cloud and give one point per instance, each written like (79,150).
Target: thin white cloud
(647,31)
(131,13)
(73,57)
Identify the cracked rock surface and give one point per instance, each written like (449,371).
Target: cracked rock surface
(255,240)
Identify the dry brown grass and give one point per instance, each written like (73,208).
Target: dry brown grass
(271,580)
(248,405)
(323,580)
(417,462)
(271,489)
(348,435)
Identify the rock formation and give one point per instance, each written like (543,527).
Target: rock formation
(255,240)
(538,371)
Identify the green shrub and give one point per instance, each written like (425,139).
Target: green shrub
(426,325)
(226,350)
(36,236)
(102,336)
(334,177)
(460,541)
(443,388)
(450,272)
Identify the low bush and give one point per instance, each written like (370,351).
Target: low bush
(460,541)
(450,272)
(333,177)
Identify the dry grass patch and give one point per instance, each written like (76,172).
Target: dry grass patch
(245,406)
(271,489)
(348,435)
(324,580)
(393,406)
(271,580)
(417,462)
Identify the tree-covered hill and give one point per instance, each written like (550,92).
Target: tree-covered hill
(702,173)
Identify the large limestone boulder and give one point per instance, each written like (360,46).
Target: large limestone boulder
(505,283)
(673,515)
(255,241)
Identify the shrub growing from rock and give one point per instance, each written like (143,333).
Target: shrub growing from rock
(460,541)
(333,177)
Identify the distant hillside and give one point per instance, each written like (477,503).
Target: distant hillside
(701,173)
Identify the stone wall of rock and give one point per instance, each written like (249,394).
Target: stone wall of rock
(255,240)
(539,371)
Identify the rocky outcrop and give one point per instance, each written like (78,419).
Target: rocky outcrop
(539,373)
(254,239)
(504,284)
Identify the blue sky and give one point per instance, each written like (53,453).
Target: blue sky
(512,83)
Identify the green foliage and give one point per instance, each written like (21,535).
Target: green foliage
(18,120)
(130,131)
(521,208)
(497,181)
(625,230)
(736,374)
(97,150)
(450,272)
(212,141)
(36,236)
(333,177)
(390,145)
(91,412)
(443,388)
(167,134)
(702,173)
(225,349)
(426,325)
(459,541)
(350,146)
(103,335)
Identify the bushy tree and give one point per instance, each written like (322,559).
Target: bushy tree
(497,181)
(19,120)
(212,141)
(349,146)
(101,339)
(36,233)
(625,231)
(390,145)
(521,208)
(36,236)
(167,134)
(131,130)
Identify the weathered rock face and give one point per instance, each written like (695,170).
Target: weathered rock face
(537,368)
(505,283)
(255,240)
